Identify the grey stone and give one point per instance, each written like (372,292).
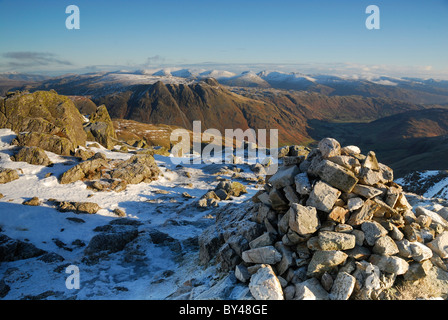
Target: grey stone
(373,231)
(264,255)
(324,261)
(329,240)
(303,220)
(385,245)
(241,273)
(367,191)
(440,245)
(291,195)
(336,175)
(266,239)
(278,200)
(342,287)
(420,252)
(404,248)
(302,182)
(354,203)
(287,259)
(329,147)
(310,289)
(323,197)
(284,177)
(264,285)
(390,264)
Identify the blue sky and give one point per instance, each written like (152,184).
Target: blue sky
(304,35)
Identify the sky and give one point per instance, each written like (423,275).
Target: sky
(309,36)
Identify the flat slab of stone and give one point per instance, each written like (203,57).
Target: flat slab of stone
(265,255)
(284,177)
(337,176)
(323,197)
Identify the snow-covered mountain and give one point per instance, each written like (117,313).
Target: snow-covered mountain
(429,184)
(423,91)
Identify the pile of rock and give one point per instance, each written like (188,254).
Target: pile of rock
(336,226)
(102,174)
(225,190)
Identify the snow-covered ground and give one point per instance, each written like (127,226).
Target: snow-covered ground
(145,269)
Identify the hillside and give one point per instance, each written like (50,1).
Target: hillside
(409,141)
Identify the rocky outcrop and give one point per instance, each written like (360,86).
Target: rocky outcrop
(100,128)
(44,116)
(8,175)
(32,155)
(86,170)
(106,175)
(225,190)
(13,250)
(139,168)
(76,207)
(46,141)
(333,226)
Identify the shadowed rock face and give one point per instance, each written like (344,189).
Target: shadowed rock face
(101,128)
(32,155)
(44,113)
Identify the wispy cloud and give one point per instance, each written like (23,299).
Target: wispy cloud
(20,59)
(157,59)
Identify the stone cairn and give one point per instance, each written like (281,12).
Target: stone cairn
(336,226)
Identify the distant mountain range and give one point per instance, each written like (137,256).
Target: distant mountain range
(404,120)
(422,91)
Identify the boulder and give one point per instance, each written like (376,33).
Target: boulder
(338,214)
(77,207)
(385,245)
(87,170)
(329,147)
(420,252)
(137,169)
(354,203)
(8,175)
(32,155)
(43,112)
(433,215)
(13,250)
(336,175)
(110,241)
(367,192)
(100,128)
(232,189)
(303,220)
(49,142)
(32,202)
(329,240)
(389,264)
(323,197)
(373,231)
